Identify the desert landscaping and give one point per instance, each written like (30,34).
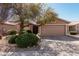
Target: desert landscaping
(53,46)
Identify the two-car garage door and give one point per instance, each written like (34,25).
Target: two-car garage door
(52,30)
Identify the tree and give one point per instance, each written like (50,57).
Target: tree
(39,13)
(4,7)
(27,12)
(48,16)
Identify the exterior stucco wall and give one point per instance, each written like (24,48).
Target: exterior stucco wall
(77,28)
(6,27)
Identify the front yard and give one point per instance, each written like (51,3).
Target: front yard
(50,46)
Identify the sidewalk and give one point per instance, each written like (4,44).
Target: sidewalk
(74,36)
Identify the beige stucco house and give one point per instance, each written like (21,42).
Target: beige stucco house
(58,27)
(55,28)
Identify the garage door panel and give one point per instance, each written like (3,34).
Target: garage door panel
(50,30)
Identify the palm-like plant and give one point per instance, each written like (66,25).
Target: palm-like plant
(48,16)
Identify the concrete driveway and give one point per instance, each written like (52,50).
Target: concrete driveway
(50,46)
(62,45)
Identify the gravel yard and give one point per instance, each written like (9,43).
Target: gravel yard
(50,46)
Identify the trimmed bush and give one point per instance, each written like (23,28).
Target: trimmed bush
(12,39)
(27,40)
(73,32)
(29,31)
(12,32)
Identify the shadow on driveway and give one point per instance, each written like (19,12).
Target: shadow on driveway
(62,38)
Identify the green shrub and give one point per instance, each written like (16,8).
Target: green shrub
(29,31)
(23,31)
(27,40)
(11,32)
(73,32)
(12,39)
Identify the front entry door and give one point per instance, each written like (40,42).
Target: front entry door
(35,29)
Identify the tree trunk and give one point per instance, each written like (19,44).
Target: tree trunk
(21,26)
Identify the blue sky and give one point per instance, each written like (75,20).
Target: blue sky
(67,11)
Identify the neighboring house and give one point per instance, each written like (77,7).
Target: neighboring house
(74,26)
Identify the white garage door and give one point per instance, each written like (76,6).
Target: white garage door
(51,30)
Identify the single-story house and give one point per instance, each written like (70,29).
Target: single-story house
(74,26)
(57,27)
